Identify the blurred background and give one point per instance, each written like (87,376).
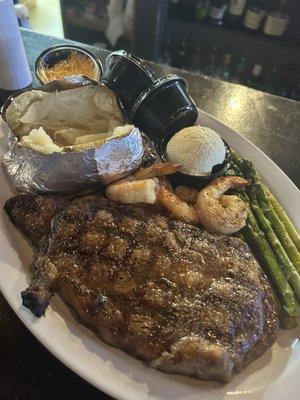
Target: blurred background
(250,42)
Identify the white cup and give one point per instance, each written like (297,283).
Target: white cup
(14,69)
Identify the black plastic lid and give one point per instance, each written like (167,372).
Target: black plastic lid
(136,60)
(164,81)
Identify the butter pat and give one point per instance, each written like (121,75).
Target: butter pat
(197,148)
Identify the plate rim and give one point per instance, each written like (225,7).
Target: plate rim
(104,385)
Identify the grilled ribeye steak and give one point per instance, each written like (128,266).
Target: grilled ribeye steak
(167,292)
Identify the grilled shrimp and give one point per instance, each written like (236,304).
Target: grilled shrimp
(180,209)
(187,194)
(222,213)
(154,170)
(163,181)
(142,186)
(131,191)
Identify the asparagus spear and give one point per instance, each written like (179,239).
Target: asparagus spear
(265,200)
(278,227)
(236,169)
(263,250)
(239,235)
(285,322)
(271,265)
(293,234)
(291,273)
(236,160)
(250,172)
(253,234)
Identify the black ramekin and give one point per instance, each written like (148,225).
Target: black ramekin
(197,182)
(52,55)
(164,109)
(127,76)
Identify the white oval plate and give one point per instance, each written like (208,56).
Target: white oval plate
(273,376)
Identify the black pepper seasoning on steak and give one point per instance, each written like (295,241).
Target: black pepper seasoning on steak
(169,293)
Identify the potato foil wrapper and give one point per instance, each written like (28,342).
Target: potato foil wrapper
(34,172)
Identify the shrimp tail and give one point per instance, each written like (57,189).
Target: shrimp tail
(161,169)
(239,182)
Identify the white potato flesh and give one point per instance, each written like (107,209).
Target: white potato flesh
(74,108)
(39,140)
(68,136)
(92,137)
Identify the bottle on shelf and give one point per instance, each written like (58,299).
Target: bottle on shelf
(198,60)
(201,9)
(254,14)
(14,69)
(235,12)
(238,75)
(181,58)
(277,18)
(174,8)
(211,66)
(217,12)
(255,78)
(186,10)
(223,71)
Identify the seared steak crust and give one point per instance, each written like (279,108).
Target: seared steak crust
(167,292)
(33,213)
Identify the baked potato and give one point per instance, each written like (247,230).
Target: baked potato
(68,135)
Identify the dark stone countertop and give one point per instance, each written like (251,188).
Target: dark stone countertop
(27,369)
(270,122)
